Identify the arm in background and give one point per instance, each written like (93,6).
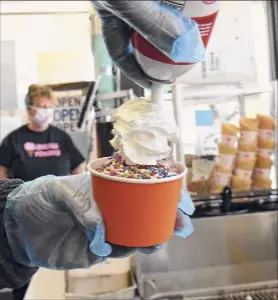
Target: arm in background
(80,169)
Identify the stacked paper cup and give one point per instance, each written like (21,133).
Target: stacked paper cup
(246,156)
(266,144)
(227,153)
(229,135)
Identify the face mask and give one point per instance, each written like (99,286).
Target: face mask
(43,116)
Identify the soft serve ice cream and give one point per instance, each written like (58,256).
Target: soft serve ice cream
(144,132)
(144,135)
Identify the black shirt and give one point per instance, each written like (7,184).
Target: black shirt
(29,154)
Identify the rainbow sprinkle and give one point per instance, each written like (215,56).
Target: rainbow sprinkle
(117,167)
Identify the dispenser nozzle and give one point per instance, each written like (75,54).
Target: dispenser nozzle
(157,92)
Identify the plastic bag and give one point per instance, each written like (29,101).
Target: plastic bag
(174,34)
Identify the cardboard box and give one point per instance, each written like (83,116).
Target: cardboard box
(100,288)
(111,276)
(109,267)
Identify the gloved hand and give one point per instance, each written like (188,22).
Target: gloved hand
(54,222)
(174,34)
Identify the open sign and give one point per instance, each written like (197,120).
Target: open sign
(68,110)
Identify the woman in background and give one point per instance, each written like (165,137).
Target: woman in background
(38,148)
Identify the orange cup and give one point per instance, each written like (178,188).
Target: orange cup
(137,212)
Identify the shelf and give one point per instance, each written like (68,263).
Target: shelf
(227,92)
(115,95)
(211,94)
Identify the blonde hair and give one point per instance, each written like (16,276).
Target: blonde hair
(35,92)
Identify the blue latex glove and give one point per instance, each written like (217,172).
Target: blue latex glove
(54,222)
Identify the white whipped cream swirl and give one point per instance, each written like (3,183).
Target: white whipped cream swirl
(144,132)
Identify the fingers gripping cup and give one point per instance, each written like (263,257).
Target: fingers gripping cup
(137,212)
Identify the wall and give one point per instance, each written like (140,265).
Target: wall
(8,72)
(13,7)
(239,42)
(261,55)
(65,66)
(230,44)
(52,37)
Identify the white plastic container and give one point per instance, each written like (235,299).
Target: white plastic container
(98,285)
(107,277)
(113,281)
(109,267)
